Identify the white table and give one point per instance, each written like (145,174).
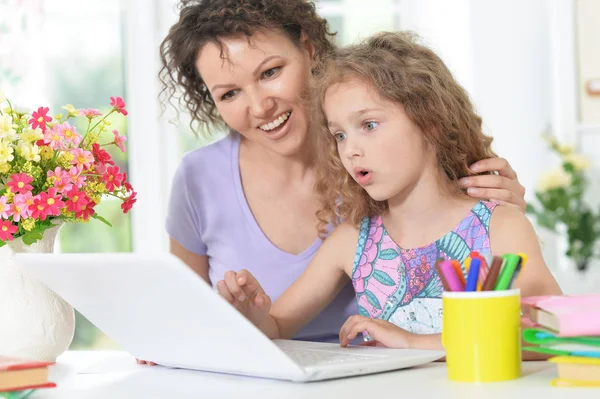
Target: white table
(115,375)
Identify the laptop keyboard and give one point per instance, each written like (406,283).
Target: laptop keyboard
(309,357)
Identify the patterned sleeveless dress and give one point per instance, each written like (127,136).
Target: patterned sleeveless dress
(401,285)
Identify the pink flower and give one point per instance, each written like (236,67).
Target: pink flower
(54,137)
(19,207)
(128,203)
(7,229)
(86,211)
(112,178)
(118,104)
(19,183)
(119,140)
(40,118)
(46,204)
(5,211)
(58,173)
(75,175)
(77,200)
(63,185)
(82,158)
(69,133)
(89,113)
(126,184)
(101,155)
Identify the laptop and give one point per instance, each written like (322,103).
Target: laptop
(158,309)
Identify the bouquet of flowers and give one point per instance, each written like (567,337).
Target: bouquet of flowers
(560,194)
(50,173)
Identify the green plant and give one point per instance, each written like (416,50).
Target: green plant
(560,196)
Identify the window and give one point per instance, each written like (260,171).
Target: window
(51,56)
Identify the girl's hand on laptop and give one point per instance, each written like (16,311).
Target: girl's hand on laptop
(243,291)
(383,333)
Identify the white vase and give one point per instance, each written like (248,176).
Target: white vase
(35,323)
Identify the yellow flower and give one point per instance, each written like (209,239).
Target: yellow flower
(555,178)
(9,194)
(64,160)
(7,126)
(46,152)
(28,224)
(71,110)
(578,161)
(65,212)
(31,135)
(6,153)
(564,149)
(4,168)
(29,151)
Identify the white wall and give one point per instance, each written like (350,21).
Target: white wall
(500,51)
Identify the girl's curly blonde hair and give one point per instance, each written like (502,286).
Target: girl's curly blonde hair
(407,73)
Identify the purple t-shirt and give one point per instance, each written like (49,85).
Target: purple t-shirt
(208,215)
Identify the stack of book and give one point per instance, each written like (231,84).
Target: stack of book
(567,326)
(19,377)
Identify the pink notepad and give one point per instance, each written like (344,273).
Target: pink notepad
(568,315)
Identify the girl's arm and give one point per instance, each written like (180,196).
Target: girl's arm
(320,283)
(511,232)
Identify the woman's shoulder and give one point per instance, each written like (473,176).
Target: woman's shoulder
(216,154)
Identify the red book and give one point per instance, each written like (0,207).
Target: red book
(19,374)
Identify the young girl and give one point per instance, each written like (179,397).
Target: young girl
(397,133)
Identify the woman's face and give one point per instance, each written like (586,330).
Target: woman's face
(257,86)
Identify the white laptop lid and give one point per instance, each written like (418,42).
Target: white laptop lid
(166,313)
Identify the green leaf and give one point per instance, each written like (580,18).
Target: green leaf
(363,312)
(372,299)
(2,243)
(32,236)
(530,209)
(100,218)
(388,254)
(383,278)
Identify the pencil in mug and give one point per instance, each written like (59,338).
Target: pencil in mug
(492,276)
(511,267)
(473,276)
(441,274)
(519,269)
(483,269)
(451,276)
(458,270)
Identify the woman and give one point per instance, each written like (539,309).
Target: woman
(247,201)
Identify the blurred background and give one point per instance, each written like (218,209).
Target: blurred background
(531,67)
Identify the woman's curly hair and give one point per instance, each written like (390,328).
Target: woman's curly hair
(204,21)
(409,74)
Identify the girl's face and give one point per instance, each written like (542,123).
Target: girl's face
(257,86)
(381,148)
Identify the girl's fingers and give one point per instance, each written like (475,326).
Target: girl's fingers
(249,284)
(233,286)
(262,302)
(224,291)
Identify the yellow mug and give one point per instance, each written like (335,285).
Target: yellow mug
(481,332)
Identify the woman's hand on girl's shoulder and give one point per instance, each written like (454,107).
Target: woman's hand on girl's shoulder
(501,186)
